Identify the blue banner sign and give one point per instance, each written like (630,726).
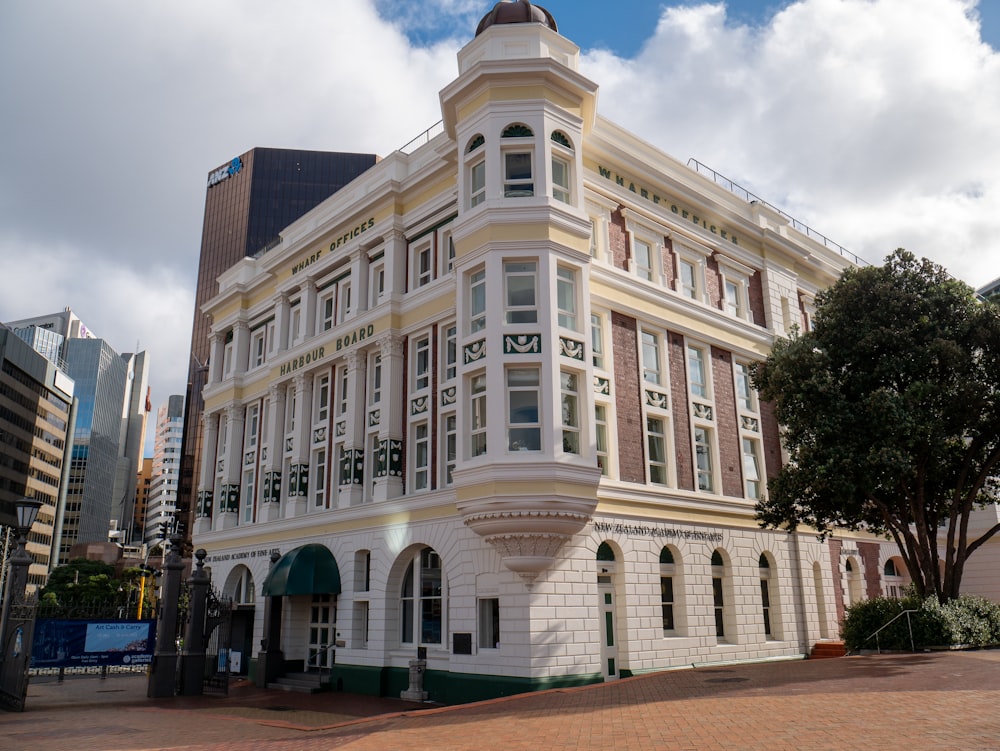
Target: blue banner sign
(64,644)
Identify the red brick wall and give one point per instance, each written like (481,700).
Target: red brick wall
(838,590)
(727,427)
(713,283)
(873,574)
(618,240)
(681,410)
(669,264)
(770,439)
(628,407)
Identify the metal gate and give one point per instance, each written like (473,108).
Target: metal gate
(218,643)
(19,620)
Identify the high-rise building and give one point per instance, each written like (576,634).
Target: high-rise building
(36,429)
(248,200)
(107,450)
(492,403)
(143,485)
(167,442)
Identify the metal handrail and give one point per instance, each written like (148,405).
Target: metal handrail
(315,661)
(909,626)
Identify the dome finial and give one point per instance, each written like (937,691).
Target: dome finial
(516,11)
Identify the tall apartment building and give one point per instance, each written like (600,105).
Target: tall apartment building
(491,403)
(107,445)
(143,485)
(248,200)
(36,430)
(167,442)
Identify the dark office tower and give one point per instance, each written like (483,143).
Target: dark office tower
(249,200)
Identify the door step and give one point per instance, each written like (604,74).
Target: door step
(300,683)
(826,649)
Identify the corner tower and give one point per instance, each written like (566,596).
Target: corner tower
(518,112)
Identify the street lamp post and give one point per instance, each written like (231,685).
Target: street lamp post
(16,641)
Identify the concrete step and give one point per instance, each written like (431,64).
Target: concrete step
(826,649)
(301,683)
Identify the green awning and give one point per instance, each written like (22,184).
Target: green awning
(308,570)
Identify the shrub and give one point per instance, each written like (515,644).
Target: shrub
(967,620)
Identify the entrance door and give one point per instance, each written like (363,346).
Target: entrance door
(322,621)
(609,642)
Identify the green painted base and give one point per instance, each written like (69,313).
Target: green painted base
(445,687)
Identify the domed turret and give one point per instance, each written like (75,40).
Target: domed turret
(516,11)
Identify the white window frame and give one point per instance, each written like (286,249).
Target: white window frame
(523,434)
(343,389)
(661,464)
(420,440)
(318,478)
(696,259)
(651,357)
(477,419)
(753,476)
(643,268)
(422,261)
(449,351)
(602,437)
(296,324)
(449,447)
(706,462)
(517,311)
(446,247)
(477,300)
(567,304)
(321,389)
(570,382)
(419,587)
(421,362)
(375,379)
(746,395)
(248,491)
(517,184)
(258,347)
(376,277)
(488,615)
(598,342)
(735,277)
(252,422)
(698,361)
(475,171)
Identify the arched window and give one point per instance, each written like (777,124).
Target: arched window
(765,594)
(475,170)
(718,594)
(605,553)
(421,600)
(667,602)
(518,162)
(562,166)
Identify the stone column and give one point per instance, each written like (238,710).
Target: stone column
(309,307)
(229,502)
(216,358)
(281,313)
(350,474)
(241,347)
(271,454)
(298,479)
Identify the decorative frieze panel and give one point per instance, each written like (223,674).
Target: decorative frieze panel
(657,399)
(298,480)
(352,467)
(220,466)
(702,411)
(374,417)
(248,458)
(341,428)
(750,423)
(448,396)
(231,497)
(602,385)
(205,503)
(263,455)
(289,445)
(418,406)
(571,348)
(319,435)
(272,487)
(474,352)
(395,457)
(522,344)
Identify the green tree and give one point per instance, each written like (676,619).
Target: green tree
(83,580)
(890,410)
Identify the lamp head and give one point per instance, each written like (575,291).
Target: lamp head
(27,512)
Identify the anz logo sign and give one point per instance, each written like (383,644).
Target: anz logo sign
(225,172)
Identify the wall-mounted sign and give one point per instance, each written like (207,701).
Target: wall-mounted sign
(655,530)
(680,211)
(224,173)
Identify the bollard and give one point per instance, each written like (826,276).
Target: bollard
(416,690)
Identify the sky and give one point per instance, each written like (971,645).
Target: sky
(874,122)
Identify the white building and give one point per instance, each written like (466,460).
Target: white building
(491,402)
(167,442)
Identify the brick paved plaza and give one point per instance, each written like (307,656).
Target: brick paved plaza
(946,700)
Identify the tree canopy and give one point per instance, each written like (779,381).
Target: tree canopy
(890,411)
